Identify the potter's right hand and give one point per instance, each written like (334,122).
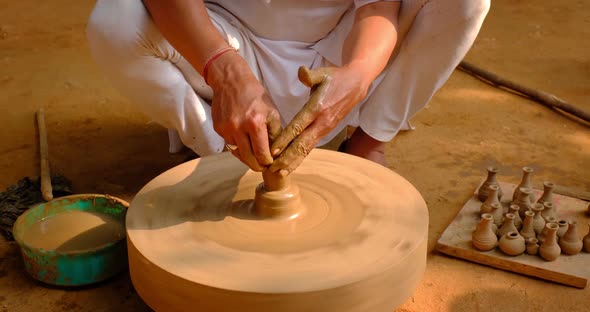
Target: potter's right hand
(243,113)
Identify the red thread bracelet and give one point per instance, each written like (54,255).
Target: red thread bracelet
(213,58)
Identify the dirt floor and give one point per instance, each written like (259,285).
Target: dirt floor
(104,144)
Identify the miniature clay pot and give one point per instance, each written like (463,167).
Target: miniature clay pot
(527,173)
(507,225)
(514,209)
(512,244)
(492,198)
(527,230)
(547,196)
(484,238)
(549,211)
(562,228)
(549,249)
(538,221)
(587,240)
(482,193)
(498,214)
(541,236)
(571,243)
(532,246)
(523,201)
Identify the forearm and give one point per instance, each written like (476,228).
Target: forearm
(188,27)
(371,41)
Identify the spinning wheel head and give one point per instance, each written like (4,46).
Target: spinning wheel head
(354,239)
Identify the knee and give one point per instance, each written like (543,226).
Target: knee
(115,25)
(474,10)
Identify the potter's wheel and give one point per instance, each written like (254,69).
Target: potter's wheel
(358,243)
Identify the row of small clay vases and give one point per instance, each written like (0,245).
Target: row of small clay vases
(483,191)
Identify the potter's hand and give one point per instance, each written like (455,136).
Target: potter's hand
(334,92)
(243,113)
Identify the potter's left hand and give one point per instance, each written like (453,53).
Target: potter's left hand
(334,92)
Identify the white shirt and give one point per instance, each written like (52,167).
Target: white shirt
(287,34)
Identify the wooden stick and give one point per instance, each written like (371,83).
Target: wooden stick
(542,97)
(46,189)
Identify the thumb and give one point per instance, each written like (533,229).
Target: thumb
(311,77)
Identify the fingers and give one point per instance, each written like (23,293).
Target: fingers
(260,146)
(297,151)
(301,121)
(273,126)
(244,151)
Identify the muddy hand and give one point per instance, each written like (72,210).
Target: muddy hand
(244,115)
(334,92)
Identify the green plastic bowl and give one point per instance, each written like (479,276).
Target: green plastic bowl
(75,268)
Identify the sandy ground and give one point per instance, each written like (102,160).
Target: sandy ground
(104,144)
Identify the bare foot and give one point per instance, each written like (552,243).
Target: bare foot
(362,145)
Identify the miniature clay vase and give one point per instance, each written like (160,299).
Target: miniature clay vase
(538,221)
(523,201)
(498,214)
(563,225)
(527,173)
(484,238)
(512,244)
(527,230)
(549,211)
(492,198)
(541,236)
(532,246)
(571,243)
(549,249)
(547,196)
(587,240)
(508,225)
(514,209)
(482,193)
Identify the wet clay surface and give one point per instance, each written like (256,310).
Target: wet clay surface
(74,231)
(104,144)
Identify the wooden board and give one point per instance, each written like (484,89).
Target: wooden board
(568,270)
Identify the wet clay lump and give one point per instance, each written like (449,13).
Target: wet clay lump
(74,231)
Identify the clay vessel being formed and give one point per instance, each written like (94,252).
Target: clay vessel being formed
(541,236)
(523,201)
(549,211)
(587,240)
(547,196)
(538,221)
(484,238)
(563,225)
(571,243)
(532,246)
(512,244)
(482,193)
(507,226)
(486,207)
(527,230)
(549,249)
(527,173)
(514,209)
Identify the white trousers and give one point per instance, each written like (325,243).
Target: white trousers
(434,36)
